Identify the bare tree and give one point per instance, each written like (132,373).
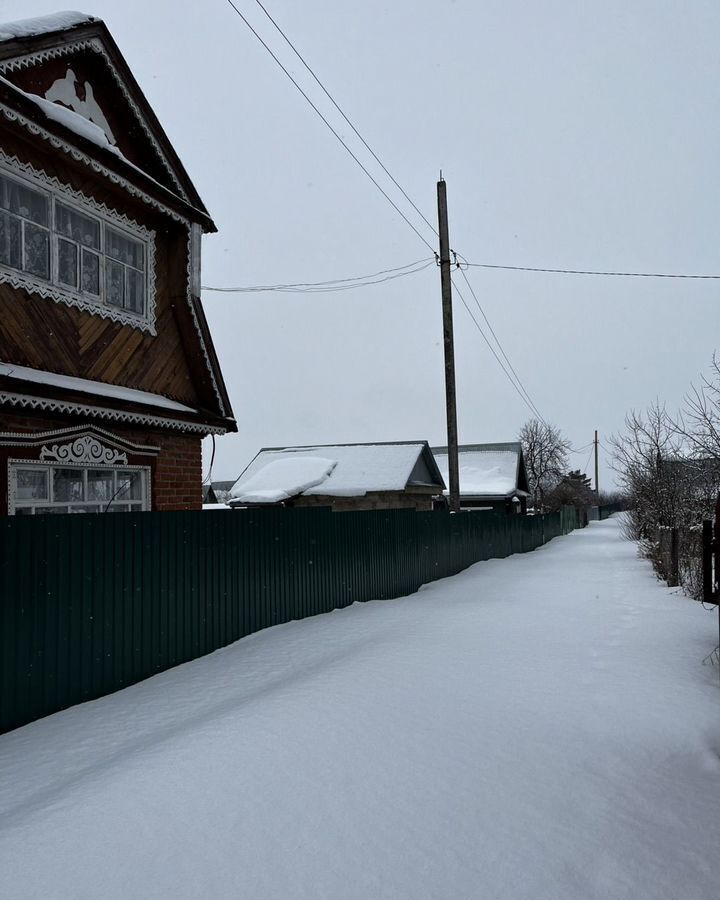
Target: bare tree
(699,421)
(648,458)
(546,457)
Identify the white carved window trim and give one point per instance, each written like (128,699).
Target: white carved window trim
(115,504)
(57,192)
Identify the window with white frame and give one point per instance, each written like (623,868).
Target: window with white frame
(53,239)
(38,489)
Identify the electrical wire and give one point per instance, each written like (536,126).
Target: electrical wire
(330,127)
(342,113)
(500,347)
(336,284)
(317,288)
(350,287)
(492,349)
(591,272)
(208,477)
(588,461)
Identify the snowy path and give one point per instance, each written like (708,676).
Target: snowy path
(536,727)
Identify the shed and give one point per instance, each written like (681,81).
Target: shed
(492,476)
(343,477)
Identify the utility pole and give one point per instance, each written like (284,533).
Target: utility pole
(450,406)
(597,489)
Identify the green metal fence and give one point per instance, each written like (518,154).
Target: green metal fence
(91,604)
(609,509)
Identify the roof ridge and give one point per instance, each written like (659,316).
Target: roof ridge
(21,29)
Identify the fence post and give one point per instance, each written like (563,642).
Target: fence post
(674,573)
(707,550)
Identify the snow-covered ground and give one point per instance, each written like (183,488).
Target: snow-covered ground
(536,727)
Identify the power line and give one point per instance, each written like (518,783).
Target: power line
(317,288)
(492,350)
(335,284)
(342,113)
(335,133)
(591,272)
(500,346)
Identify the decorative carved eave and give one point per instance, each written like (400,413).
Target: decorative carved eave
(79,444)
(86,450)
(131,417)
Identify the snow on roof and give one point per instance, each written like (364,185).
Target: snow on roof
(283,478)
(356,469)
(71,120)
(85,386)
(483,473)
(59,21)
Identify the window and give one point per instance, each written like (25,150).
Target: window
(79,252)
(37,489)
(24,228)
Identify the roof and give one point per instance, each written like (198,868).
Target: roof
(336,470)
(487,470)
(86,386)
(60,21)
(223,485)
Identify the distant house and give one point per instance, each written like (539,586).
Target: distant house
(216,492)
(492,476)
(342,477)
(108,376)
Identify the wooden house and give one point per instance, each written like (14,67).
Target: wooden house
(342,477)
(492,476)
(108,376)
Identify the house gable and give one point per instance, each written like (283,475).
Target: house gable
(80,68)
(46,326)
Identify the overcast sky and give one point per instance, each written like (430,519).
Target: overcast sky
(571,134)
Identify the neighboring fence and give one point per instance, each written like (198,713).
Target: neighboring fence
(604,512)
(91,604)
(677,556)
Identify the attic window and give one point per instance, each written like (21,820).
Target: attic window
(59,244)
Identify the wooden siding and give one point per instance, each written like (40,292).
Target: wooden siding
(45,334)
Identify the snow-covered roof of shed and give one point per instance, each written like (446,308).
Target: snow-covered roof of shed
(60,21)
(490,470)
(282,478)
(333,470)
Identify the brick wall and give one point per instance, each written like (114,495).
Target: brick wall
(177,482)
(176,470)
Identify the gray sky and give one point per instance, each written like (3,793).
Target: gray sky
(571,134)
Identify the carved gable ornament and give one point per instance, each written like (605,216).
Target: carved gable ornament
(79,96)
(83,450)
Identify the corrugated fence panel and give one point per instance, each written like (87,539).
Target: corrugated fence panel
(91,604)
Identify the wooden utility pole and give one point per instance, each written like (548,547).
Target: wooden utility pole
(597,489)
(450,406)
